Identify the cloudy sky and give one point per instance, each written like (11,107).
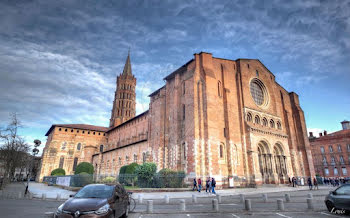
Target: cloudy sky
(59,59)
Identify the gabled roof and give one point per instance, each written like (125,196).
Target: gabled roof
(78,126)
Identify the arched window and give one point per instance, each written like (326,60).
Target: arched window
(61,162)
(219,89)
(249,117)
(78,146)
(75,163)
(279,126)
(264,121)
(221,150)
(101,148)
(257,119)
(272,124)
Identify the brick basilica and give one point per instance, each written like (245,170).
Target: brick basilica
(213,117)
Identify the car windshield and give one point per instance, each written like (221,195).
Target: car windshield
(95,191)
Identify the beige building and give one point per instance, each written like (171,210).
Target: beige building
(213,117)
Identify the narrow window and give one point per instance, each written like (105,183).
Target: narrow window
(101,148)
(326,171)
(78,146)
(183,112)
(71,131)
(264,121)
(248,66)
(75,163)
(61,162)
(249,117)
(59,129)
(66,130)
(257,119)
(219,89)
(183,88)
(339,148)
(330,149)
(225,132)
(221,150)
(345,172)
(322,149)
(272,124)
(335,171)
(257,73)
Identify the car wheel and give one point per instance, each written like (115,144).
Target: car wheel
(329,206)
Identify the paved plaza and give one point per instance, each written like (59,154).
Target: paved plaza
(230,206)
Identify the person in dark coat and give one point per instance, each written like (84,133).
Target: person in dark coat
(213,185)
(309,182)
(194,184)
(315,183)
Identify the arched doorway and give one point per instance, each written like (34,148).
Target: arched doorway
(280,162)
(265,162)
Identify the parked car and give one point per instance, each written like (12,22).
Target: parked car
(339,199)
(96,200)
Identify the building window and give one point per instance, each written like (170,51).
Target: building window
(225,132)
(257,119)
(257,73)
(279,126)
(249,117)
(219,89)
(264,121)
(71,131)
(75,163)
(348,147)
(183,88)
(135,158)
(330,149)
(322,149)
(248,66)
(326,171)
(59,129)
(61,162)
(344,171)
(341,159)
(101,148)
(257,92)
(339,148)
(332,160)
(64,144)
(221,150)
(272,124)
(66,130)
(183,112)
(335,171)
(324,160)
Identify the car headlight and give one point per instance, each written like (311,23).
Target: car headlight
(102,210)
(60,208)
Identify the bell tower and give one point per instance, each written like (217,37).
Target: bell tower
(124,104)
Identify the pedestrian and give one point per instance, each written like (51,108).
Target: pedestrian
(294,181)
(207,185)
(213,185)
(199,185)
(315,184)
(309,182)
(290,181)
(210,185)
(194,184)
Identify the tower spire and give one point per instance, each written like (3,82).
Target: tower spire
(127,66)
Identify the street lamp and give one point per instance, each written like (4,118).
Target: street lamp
(35,151)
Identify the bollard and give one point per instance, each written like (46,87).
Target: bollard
(264,197)
(287,196)
(247,204)
(182,205)
(166,198)
(194,199)
(310,204)
(241,197)
(49,214)
(219,198)
(140,199)
(19,195)
(309,195)
(215,205)
(58,197)
(43,196)
(149,206)
(280,205)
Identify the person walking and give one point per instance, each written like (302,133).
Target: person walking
(194,184)
(199,185)
(213,185)
(315,184)
(294,181)
(309,182)
(207,185)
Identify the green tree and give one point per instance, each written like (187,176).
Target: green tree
(84,167)
(145,174)
(129,176)
(58,172)
(122,174)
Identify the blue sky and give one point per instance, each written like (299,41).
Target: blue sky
(59,59)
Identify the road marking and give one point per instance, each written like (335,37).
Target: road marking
(283,215)
(227,204)
(234,215)
(329,214)
(188,215)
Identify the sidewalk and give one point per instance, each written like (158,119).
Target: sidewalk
(224,192)
(13,190)
(37,189)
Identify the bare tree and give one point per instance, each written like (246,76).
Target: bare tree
(13,148)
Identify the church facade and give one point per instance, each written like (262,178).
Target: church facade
(213,117)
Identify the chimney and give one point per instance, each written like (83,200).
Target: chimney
(345,124)
(311,135)
(320,134)
(325,132)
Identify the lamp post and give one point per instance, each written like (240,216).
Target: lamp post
(35,151)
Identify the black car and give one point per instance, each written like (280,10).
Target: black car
(339,199)
(96,200)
